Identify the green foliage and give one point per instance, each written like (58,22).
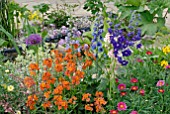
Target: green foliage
(152,18)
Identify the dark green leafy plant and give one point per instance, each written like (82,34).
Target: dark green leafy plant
(151,12)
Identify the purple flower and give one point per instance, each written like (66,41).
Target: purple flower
(33,39)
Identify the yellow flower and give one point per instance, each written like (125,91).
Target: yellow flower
(164,63)
(4,85)
(7,71)
(18,112)
(10,88)
(166,49)
(33,15)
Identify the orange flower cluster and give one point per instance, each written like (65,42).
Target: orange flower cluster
(32,68)
(29,82)
(52,88)
(48,62)
(72,100)
(86,97)
(60,102)
(47,104)
(98,102)
(47,79)
(31,101)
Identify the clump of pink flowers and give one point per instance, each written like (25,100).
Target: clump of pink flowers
(121,106)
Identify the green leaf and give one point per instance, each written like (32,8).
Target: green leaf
(126,11)
(134,2)
(3,43)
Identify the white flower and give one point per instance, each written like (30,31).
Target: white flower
(107,38)
(10,88)
(94,76)
(7,71)
(18,112)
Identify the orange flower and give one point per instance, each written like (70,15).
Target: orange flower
(47,62)
(33,66)
(76,46)
(67,73)
(79,73)
(46,76)
(31,101)
(32,73)
(58,89)
(99,94)
(89,107)
(71,66)
(62,104)
(99,101)
(69,50)
(66,85)
(72,100)
(57,98)
(47,94)
(86,97)
(75,80)
(47,104)
(87,64)
(44,85)
(29,82)
(59,67)
(68,57)
(51,81)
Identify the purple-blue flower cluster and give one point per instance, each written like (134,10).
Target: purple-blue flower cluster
(96,43)
(33,39)
(123,37)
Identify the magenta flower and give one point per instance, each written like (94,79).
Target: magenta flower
(142,92)
(134,80)
(113,111)
(33,39)
(160,83)
(122,86)
(134,112)
(121,106)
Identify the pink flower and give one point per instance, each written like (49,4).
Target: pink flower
(113,112)
(168,67)
(160,83)
(134,112)
(122,86)
(149,52)
(121,106)
(134,80)
(139,60)
(142,92)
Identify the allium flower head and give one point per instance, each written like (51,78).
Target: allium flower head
(122,86)
(121,106)
(33,39)
(160,83)
(134,112)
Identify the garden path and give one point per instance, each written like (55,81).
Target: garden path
(78,11)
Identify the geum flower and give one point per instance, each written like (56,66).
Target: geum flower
(33,39)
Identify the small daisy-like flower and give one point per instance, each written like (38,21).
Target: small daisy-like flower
(113,111)
(134,112)
(160,83)
(142,92)
(134,80)
(121,106)
(10,88)
(122,86)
